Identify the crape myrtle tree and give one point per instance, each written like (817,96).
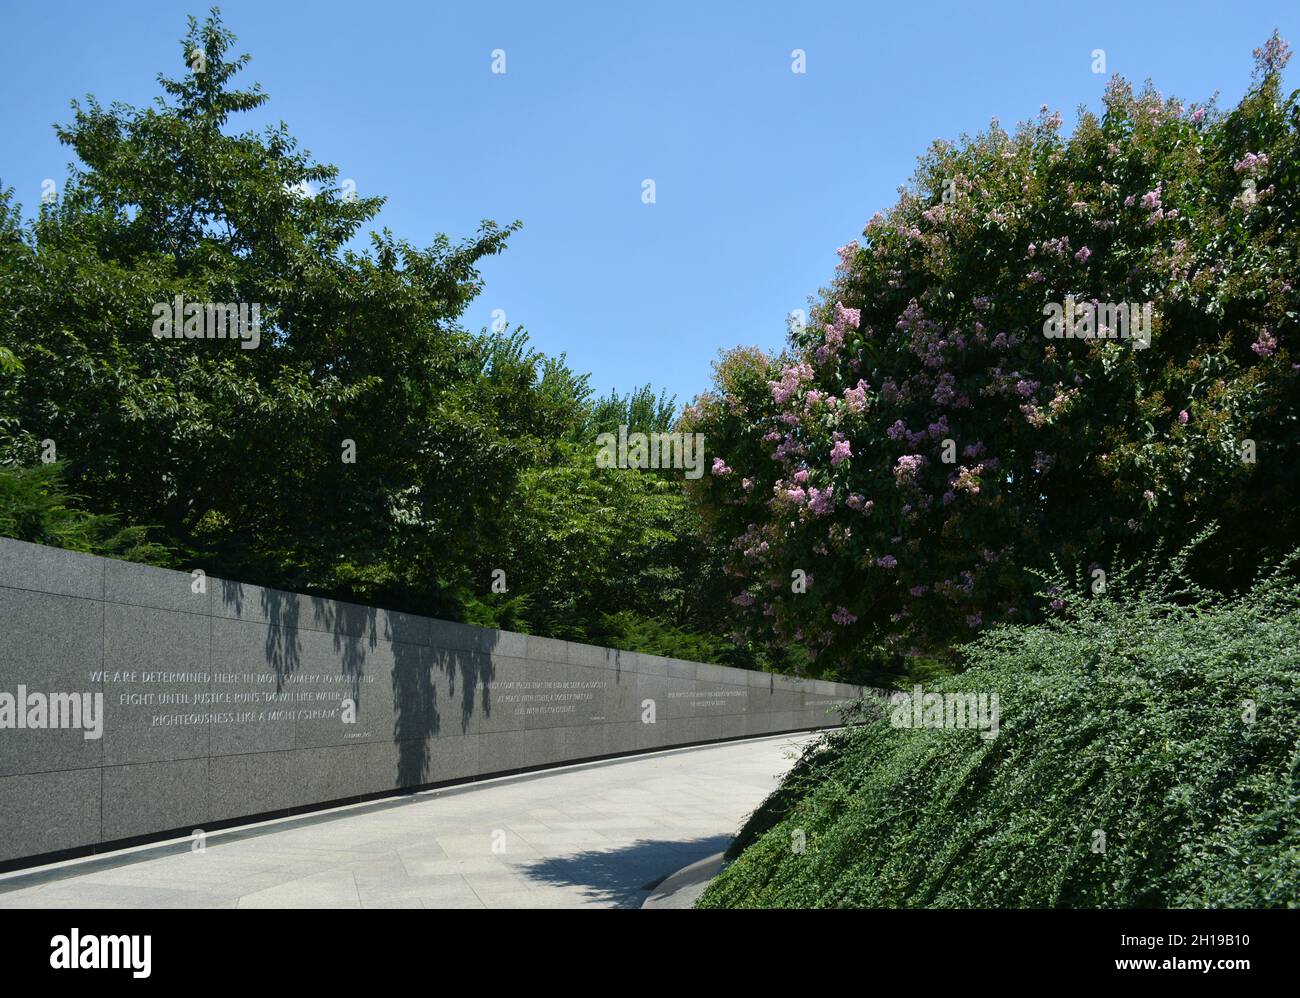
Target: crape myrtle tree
(925,444)
(464,443)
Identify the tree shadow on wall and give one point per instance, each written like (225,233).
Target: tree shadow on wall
(283,650)
(352,628)
(465,677)
(456,666)
(416,716)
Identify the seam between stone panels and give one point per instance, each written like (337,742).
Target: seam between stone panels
(310,626)
(731,671)
(317,748)
(103,669)
(150,606)
(638,672)
(108,602)
(210,691)
(46,592)
(48,772)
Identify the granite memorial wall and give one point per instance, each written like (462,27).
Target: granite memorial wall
(136,701)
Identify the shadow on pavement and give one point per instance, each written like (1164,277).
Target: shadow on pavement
(622,878)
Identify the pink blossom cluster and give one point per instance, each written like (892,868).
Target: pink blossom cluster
(821,502)
(855,399)
(907,467)
(792,379)
(1251,164)
(1266,345)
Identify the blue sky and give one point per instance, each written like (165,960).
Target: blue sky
(760,173)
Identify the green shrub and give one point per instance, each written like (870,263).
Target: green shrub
(1170,723)
(35,506)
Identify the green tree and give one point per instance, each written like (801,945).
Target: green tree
(473,452)
(237,453)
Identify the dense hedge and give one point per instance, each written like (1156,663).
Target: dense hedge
(925,444)
(35,506)
(1133,718)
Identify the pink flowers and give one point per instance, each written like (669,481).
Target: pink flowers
(787,449)
(968,480)
(821,501)
(952,356)
(843,321)
(792,379)
(855,399)
(846,319)
(944,391)
(1266,345)
(1251,164)
(1275,54)
(1056,247)
(906,468)
(720,467)
(1034,416)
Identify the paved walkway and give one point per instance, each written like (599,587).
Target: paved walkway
(585,836)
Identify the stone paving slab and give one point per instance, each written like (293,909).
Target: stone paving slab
(581,836)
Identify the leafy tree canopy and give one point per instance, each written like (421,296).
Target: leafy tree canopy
(925,444)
